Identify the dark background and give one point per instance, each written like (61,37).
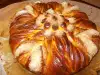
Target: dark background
(3,3)
(95,3)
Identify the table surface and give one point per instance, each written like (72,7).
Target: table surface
(95,2)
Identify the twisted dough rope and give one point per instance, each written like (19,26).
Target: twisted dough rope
(53,39)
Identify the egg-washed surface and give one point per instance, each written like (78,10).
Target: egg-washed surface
(54,36)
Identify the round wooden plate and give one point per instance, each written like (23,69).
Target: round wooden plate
(6,15)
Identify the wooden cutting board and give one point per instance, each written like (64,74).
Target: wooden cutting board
(6,15)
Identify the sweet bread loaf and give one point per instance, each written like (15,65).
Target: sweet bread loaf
(53,38)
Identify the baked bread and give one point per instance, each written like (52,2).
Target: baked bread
(53,38)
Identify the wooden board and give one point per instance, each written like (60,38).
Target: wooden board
(15,69)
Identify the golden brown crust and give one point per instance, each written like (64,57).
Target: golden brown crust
(77,14)
(65,55)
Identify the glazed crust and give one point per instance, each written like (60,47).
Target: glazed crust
(60,55)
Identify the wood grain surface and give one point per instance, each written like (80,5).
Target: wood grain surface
(6,15)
